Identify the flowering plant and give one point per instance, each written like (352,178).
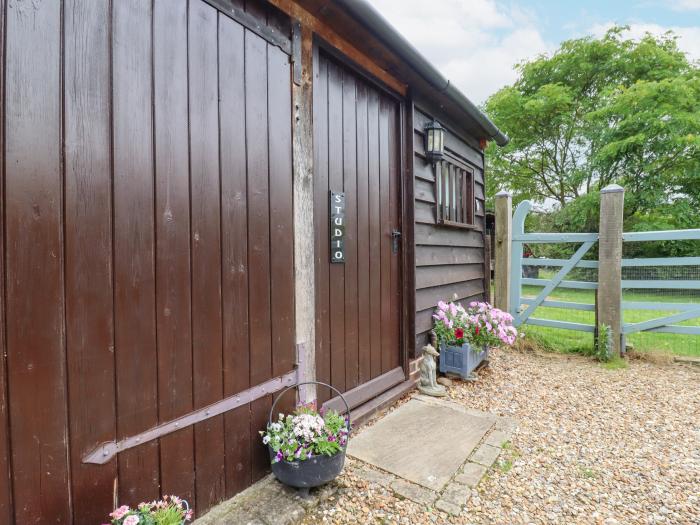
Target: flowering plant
(305,434)
(481,324)
(171,510)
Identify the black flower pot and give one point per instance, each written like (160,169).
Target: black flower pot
(315,471)
(309,473)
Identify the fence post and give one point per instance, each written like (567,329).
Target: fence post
(504,237)
(609,303)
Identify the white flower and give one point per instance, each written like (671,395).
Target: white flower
(266,440)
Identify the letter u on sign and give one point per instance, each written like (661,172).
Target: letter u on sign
(337,227)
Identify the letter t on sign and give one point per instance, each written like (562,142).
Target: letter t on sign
(337,227)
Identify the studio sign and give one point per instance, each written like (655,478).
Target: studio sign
(337,229)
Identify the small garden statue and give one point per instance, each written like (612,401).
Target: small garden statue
(428,371)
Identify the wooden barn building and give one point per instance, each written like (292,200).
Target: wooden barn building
(173,175)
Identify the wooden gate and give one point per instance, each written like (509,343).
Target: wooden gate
(147,250)
(358,302)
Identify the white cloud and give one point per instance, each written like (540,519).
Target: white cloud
(688,37)
(685,5)
(474,43)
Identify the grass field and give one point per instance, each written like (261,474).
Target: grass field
(574,341)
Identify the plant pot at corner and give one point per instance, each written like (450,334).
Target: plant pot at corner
(461,360)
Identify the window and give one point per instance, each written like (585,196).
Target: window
(454,187)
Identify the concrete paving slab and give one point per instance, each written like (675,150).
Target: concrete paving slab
(486,455)
(471,474)
(497,438)
(422,442)
(414,492)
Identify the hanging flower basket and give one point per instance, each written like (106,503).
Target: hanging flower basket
(306,449)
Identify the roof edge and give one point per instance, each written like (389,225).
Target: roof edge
(364,12)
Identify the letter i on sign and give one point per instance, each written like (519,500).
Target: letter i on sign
(337,227)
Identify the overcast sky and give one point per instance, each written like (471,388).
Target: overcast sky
(475,43)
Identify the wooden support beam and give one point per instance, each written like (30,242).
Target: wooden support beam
(609,308)
(323,30)
(504,233)
(303,151)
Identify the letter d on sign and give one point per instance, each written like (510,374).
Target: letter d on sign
(337,226)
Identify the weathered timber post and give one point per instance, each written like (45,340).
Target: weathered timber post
(504,237)
(302,147)
(609,300)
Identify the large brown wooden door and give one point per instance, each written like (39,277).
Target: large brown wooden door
(358,302)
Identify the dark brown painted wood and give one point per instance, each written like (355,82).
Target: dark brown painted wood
(394,350)
(350,185)
(281,209)
(34,264)
(133,245)
(437,255)
(321,214)
(359,151)
(6,512)
(408,238)
(375,235)
(363,238)
(88,230)
(363,393)
(335,183)
(259,296)
(173,290)
(206,250)
(427,234)
(429,297)
(234,233)
(429,276)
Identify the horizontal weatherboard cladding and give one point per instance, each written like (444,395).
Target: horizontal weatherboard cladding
(449,261)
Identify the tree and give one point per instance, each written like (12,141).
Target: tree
(599,111)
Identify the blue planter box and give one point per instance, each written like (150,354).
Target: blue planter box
(461,360)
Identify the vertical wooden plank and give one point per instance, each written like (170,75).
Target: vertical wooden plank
(133,245)
(385,221)
(279,103)
(394,355)
(375,234)
(408,248)
(363,237)
(88,230)
(335,183)
(206,250)
(258,237)
(173,292)
(34,263)
(234,233)
(349,123)
(302,158)
(321,215)
(6,513)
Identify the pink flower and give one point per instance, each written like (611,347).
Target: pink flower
(119,513)
(442,305)
(131,520)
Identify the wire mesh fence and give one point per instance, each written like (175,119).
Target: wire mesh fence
(679,344)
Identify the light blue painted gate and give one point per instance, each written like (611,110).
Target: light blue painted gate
(522,308)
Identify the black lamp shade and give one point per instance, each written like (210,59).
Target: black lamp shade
(434,141)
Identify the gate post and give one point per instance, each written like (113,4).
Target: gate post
(504,237)
(302,144)
(609,301)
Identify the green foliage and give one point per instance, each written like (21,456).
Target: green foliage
(603,344)
(596,112)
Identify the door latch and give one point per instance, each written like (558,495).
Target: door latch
(395,238)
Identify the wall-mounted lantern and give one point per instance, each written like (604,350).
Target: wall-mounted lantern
(434,142)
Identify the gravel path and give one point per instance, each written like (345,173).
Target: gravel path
(593,446)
